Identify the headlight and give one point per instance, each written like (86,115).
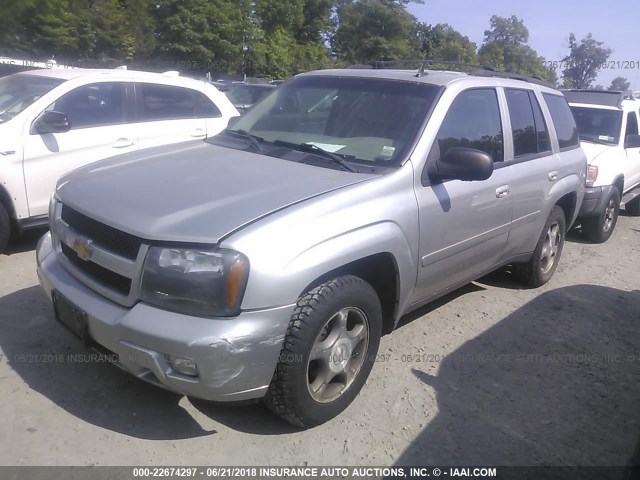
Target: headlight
(195,282)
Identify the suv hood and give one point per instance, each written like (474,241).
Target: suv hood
(595,150)
(193,192)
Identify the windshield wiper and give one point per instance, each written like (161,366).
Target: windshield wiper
(318,152)
(593,140)
(253,140)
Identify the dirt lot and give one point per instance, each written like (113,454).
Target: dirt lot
(492,374)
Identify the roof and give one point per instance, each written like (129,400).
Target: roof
(431,77)
(599,98)
(71,73)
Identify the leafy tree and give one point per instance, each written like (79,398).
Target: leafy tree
(13,25)
(507,31)
(584,61)
(443,42)
(373,30)
(619,84)
(506,48)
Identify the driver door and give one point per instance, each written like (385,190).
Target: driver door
(98,116)
(464,226)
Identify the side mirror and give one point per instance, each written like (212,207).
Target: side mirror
(464,164)
(51,122)
(632,141)
(233,120)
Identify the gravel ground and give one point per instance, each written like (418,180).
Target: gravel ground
(492,374)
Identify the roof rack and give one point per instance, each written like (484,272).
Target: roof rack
(513,76)
(468,68)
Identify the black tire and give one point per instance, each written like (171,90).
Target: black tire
(542,265)
(5,229)
(289,394)
(598,229)
(633,207)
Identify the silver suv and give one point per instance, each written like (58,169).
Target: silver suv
(268,260)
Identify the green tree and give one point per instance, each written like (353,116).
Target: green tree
(619,84)
(584,61)
(443,42)
(373,30)
(14,35)
(505,47)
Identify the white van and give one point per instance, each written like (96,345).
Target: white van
(55,120)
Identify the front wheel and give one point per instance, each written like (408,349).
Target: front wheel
(328,353)
(599,228)
(544,261)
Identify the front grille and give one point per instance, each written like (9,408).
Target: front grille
(99,274)
(109,238)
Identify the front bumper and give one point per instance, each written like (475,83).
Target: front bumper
(594,200)
(235,357)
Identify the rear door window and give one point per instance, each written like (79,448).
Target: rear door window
(168,102)
(530,136)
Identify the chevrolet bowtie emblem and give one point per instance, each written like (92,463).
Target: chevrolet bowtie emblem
(83,248)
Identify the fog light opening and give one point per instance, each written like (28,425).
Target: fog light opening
(183,366)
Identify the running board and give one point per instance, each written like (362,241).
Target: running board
(627,197)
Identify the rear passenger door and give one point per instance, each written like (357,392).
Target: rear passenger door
(535,169)
(464,226)
(169,114)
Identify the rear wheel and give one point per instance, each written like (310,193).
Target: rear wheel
(599,228)
(544,261)
(5,228)
(328,352)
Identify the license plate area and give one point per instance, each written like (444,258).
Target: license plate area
(72,317)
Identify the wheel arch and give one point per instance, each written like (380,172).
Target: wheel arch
(381,271)
(7,203)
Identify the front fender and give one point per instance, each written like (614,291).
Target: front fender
(291,249)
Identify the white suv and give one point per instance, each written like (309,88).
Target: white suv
(608,126)
(53,121)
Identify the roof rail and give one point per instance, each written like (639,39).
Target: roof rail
(415,63)
(513,76)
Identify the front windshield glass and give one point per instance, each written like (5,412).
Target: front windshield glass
(361,120)
(247,95)
(19,91)
(598,125)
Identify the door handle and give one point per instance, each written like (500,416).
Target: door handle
(502,191)
(122,143)
(199,133)
(553,176)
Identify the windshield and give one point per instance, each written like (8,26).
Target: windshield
(598,125)
(19,91)
(247,95)
(361,120)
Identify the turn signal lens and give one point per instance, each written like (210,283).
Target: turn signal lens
(592,174)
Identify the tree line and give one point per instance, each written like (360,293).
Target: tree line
(273,38)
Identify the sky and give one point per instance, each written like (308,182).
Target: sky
(614,22)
